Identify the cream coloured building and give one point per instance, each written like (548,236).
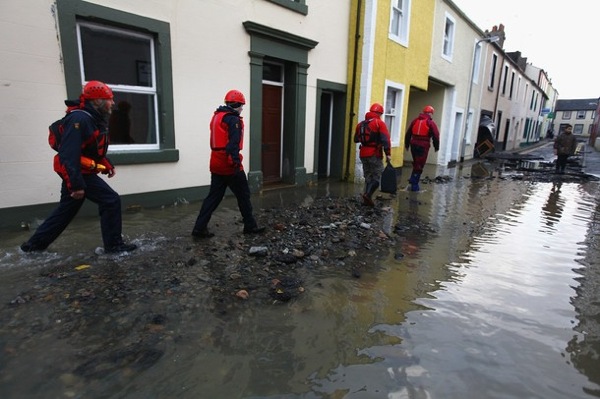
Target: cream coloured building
(171,63)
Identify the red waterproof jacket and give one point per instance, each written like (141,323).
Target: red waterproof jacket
(226,141)
(85,134)
(380,137)
(420,131)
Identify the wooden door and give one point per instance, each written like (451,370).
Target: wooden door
(271,133)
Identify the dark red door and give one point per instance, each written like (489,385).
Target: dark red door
(271,133)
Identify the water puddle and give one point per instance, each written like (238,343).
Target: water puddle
(487,290)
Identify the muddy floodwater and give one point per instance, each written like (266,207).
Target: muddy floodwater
(477,287)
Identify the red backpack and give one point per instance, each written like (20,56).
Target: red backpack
(421,128)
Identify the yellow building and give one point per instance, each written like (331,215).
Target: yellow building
(390,52)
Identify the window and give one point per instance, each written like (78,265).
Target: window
(448,46)
(504,79)
(476,63)
(532,103)
(566,115)
(125,61)
(580,115)
(132,54)
(578,128)
(399,21)
(393,110)
(493,71)
(512,84)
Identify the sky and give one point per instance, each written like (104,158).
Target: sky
(558,37)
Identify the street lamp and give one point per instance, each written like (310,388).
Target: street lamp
(489,39)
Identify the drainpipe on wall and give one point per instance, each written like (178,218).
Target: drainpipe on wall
(353,87)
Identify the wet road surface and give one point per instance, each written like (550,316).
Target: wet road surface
(483,285)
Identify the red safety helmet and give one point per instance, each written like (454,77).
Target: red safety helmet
(235,96)
(94,89)
(376,107)
(428,109)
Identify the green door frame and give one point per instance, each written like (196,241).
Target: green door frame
(293,50)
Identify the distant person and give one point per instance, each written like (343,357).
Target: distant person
(226,169)
(564,146)
(374,138)
(550,134)
(419,134)
(119,125)
(85,137)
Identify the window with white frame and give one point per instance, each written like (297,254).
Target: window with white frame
(491,83)
(504,79)
(476,63)
(448,45)
(393,110)
(578,128)
(399,20)
(566,115)
(125,61)
(132,54)
(512,84)
(580,115)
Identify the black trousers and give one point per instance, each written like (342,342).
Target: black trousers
(561,162)
(97,191)
(238,184)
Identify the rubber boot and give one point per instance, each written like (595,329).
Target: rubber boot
(414,181)
(367,196)
(373,187)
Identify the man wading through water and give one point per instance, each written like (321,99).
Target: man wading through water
(82,145)
(226,169)
(374,138)
(420,132)
(564,146)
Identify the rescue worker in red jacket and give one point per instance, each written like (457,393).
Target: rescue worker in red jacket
(85,134)
(421,131)
(226,142)
(374,138)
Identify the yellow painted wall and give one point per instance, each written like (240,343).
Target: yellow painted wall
(392,61)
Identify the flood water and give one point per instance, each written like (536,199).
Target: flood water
(495,297)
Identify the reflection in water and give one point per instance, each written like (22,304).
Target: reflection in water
(485,302)
(119,124)
(584,347)
(493,323)
(553,207)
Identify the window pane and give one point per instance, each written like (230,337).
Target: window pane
(395,22)
(272,72)
(115,57)
(133,119)
(390,101)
